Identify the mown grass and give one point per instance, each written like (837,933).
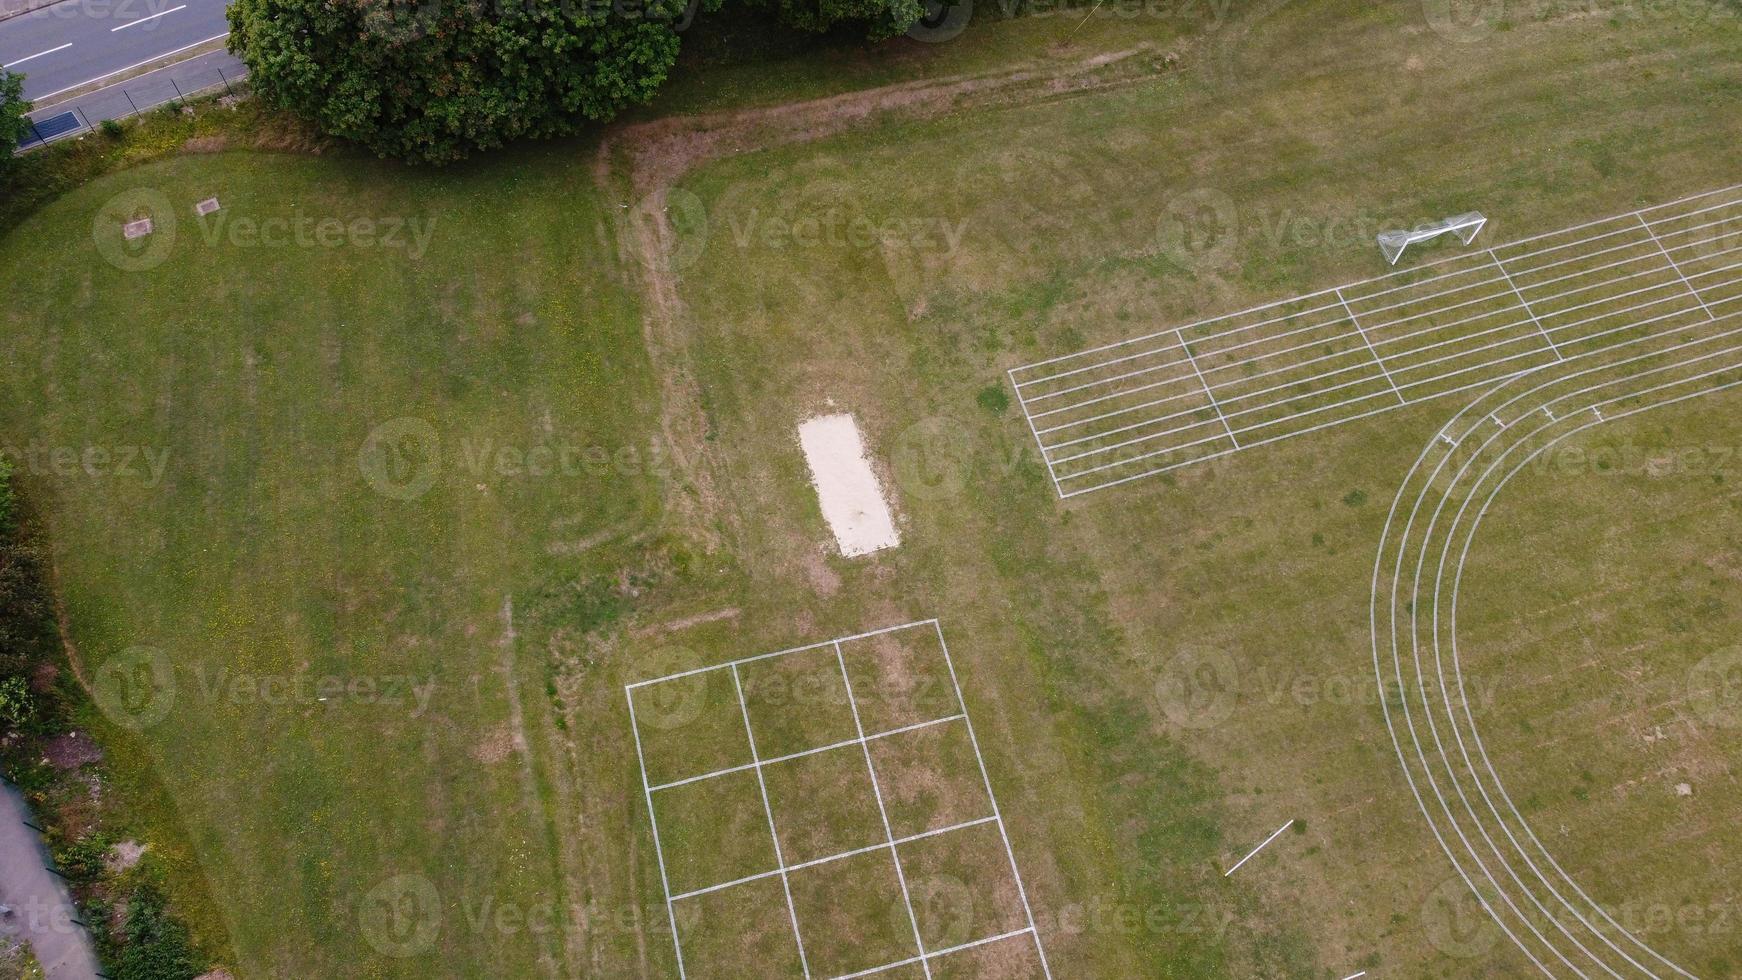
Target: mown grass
(260,560)
(264,551)
(1074,613)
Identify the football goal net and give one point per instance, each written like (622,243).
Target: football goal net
(1465,226)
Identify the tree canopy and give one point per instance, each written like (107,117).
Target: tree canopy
(433,80)
(13,106)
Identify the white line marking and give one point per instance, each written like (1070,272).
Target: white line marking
(986,778)
(1260,847)
(1077,474)
(1360,415)
(1351,401)
(932,956)
(1340,298)
(653,821)
(799,755)
(1265,406)
(767,808)
(1672,264)
(1444,328)
(782,653)
(135,23)
(1526,305)
(1207,392)
(1355,976)
(1412,271)
(892,844)
(882,811)
(1379,564)
(1370,348)
(1029,417)
(813,862)
(142,64)
(37,55)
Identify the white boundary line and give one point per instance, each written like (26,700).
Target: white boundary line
(653,823)
(1444,328)
(883,812)
(37,55)
(846,743)
(1230,872)
(1413,301)
(1370,348)
(1672,264)
(1363,364)
(780,653)
(142,64)
(974,740)
(1207,392)
(892,844)
(1023,404)
(1077,474)
(813,862)
(1417,269)
(1481,417)
(1521,302)
(1662,253)
(144,20)
(768,808)
(932,956)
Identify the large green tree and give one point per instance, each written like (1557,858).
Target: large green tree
(433,80)
(882,18)
(13,106)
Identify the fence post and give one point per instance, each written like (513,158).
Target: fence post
(178,96)
(226,79)
(130,102)
(87,119)
(37,132)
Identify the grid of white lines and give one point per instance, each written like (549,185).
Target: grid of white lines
(922,956)
(1175,397)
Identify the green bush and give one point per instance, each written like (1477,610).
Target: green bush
(156,944)
(82,860)
(17,704)
(433,81)
(14,126)
(112,128)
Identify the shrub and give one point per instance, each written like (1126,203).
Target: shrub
(13,124)
(157,946)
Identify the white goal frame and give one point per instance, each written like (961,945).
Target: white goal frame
(1465,226)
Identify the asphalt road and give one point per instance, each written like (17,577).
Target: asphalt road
(75,42)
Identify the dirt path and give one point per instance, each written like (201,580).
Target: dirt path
(42,910)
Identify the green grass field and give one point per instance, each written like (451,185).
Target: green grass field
(468,485)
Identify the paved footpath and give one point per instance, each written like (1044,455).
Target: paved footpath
(42,911)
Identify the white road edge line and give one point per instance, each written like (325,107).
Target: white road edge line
(133,23)
(142,64)
(37,55)
(1260,847)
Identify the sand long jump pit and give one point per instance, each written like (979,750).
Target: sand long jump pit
(847,488)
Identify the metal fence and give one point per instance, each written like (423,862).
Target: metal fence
(215,71)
